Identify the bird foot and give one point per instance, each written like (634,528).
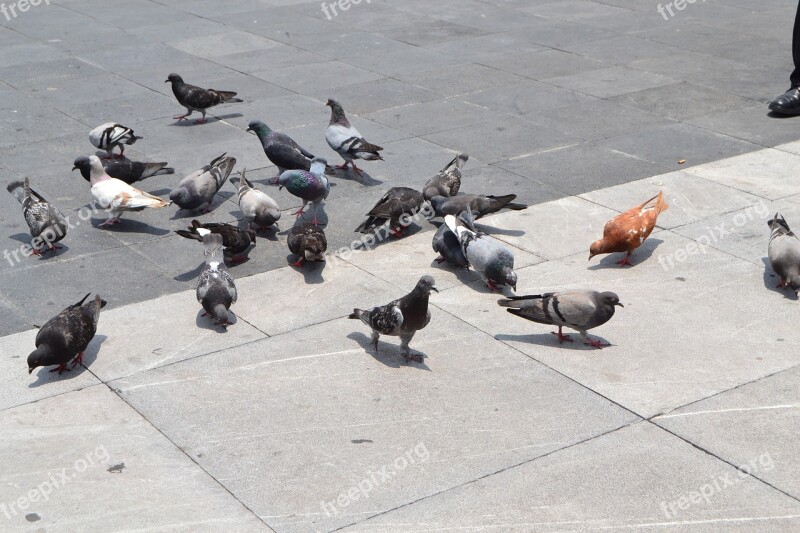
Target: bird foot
(298,263)
(298,213)
(781,285)
(356,169)
(53,248)
(397,233)
(110,222)
(39,253)
(413,357)
(341,167)
(205,211)
(60,369)
(561,337)
(200,121)
(625,261)
(597,344)
(492,286)
(180,117)
(78,360)
(315,221)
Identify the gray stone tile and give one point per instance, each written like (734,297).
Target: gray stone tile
(649,470)
(431,117)
(754,123)
(118,472)
(228,42)
(682,101)
(474,430)
(403,61)
(492,45)
(541,64)
(623,49)
(581,167)
(463,79)
(527,99)
(385,93)
(431,31)
(12,320)
(608,82)
(329,75)
(491,179)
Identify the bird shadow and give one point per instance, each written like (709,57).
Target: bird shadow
(312,270)
(210,119)
(463,274)
(548,339)
(44,376)
(131,226)
(382,236)
(350,175)
(25,239)
(642,254)
(192,274)
(207,322)
(308,216)
(393,359)
(771,281)
(493,230)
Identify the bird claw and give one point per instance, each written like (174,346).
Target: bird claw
(298,213)
(561,337)
(413,357)
(60,369)
(180,117)
(341,167)
(78,360)
(200,121)
(298,263)
(625,261)
(597,344)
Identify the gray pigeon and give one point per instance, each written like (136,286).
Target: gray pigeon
(46,223)
(109,135)
(216,290)
(199,188)
(493,262)
(64,337)
(308,185)
(402,317)
(448,181)
(394,205)
(479,204)
(259,210)
(345,140)
(307,241)
(784,253)
(195,98)
(282,150)
(446,243)
(579,310)
(124,169)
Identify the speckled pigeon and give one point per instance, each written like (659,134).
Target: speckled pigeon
(236,241)
(397,202)
(195,98)
(493,261)
(197,190)
(46,223)
(345,140)
(216,290)
(308,185)
(402,317)
(109,135)
(784,253)
(307,242)
(124,169)
(448,181)
(66,336)
(579,310)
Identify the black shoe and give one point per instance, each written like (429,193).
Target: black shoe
(788,103)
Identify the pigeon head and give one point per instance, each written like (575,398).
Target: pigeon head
(173,78)
(96,170)
(427,284)
(181,196)
(610,299)
(220,314)
(510,277)
(598,247)
(252,234)
(436,203)
(778,222)
(259,128)
(337,113)
(41,356)
(318,165)
(83,164)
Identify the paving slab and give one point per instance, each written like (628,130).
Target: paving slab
(341,431)
(626,478)
(115,460)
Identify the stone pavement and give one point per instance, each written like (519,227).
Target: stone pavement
(550,98)
(289,421)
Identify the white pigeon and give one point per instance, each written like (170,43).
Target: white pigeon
(347,141)
(107,136)
(116,196)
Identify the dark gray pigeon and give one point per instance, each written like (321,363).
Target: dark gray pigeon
(307,241)
(259,209)
(236,241)
(195,98)
(282,150)
(197,190)
(123,169)
(446,243)
(216,290)
(46,223)
(64,337)
(479,204)
(397,202)
(448,181)
(578,310)
(346,141)
(110,135)
(492,261)
(784,253)
(402,317)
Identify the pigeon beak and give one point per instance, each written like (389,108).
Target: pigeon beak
(30,370)
(166,81)
(249,129)
(435,289)
(620,304)
(75,168)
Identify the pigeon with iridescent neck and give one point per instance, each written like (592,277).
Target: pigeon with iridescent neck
(308,185)
(282,150)
(347,141)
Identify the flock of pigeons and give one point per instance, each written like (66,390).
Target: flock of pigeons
(64,338)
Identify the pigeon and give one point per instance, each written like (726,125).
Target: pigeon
(493,262)
(236,241)
(346,141)
(107,136)
(197,190)
(45,221)
(281,149)
(216,290)
(447,244)
(308,185)
(124,169)
(578,310)
(627,231)
(397,203)
(402,317)
(447,182)
(479,204)
(308,243)
(260,211)
(116,196)
(784,253)
(194,98)
(65,337)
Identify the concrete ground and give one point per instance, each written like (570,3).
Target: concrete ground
(290,421)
